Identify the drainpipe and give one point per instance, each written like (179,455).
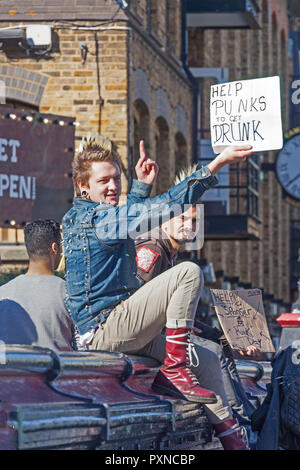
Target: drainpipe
(193,82)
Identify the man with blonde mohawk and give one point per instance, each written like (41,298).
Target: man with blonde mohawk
(157,251)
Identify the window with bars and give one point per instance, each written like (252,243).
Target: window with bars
(238,184)
(152,16)
(173,26)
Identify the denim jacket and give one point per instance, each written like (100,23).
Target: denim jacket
(99,245)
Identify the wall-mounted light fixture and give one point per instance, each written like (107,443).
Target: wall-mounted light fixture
(34,39)
(83,52)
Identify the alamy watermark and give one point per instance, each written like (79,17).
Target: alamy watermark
(2,92)
(296,353)
(134,220)
(295,85)
(2,353)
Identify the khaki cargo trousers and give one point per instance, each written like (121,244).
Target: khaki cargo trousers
(170,299)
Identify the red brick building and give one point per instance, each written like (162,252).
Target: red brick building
(115,72)
(259,256)
(120,72)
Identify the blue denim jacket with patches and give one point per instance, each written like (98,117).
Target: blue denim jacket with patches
(99,245)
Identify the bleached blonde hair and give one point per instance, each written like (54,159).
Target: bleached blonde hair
(93,139)
(184,173)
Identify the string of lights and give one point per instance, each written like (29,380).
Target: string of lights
(44,120)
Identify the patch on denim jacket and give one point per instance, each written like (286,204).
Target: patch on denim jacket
(145,258)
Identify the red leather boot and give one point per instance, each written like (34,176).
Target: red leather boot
(231,435)
(175,376)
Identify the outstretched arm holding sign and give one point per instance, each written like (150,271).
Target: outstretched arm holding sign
(228,156)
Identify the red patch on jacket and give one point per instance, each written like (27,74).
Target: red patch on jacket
(145,258)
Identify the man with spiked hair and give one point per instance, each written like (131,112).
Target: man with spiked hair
(107,304)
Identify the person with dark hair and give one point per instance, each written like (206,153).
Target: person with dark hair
(39,237)
(39,294)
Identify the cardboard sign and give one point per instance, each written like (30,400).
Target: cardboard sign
(242,317)
(246,112)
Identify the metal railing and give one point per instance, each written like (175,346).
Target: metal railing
(243,187)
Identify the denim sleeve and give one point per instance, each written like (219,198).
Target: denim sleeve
(189,191)
(138,191)
(194,185)
(140,215)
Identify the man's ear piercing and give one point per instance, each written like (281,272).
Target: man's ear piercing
(83,193)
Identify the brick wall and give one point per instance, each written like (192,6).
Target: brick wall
(99,90)
(250,54)
(175,92)
(44,10)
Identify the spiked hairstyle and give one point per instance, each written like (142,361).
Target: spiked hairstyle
(184,173)
(92,148)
